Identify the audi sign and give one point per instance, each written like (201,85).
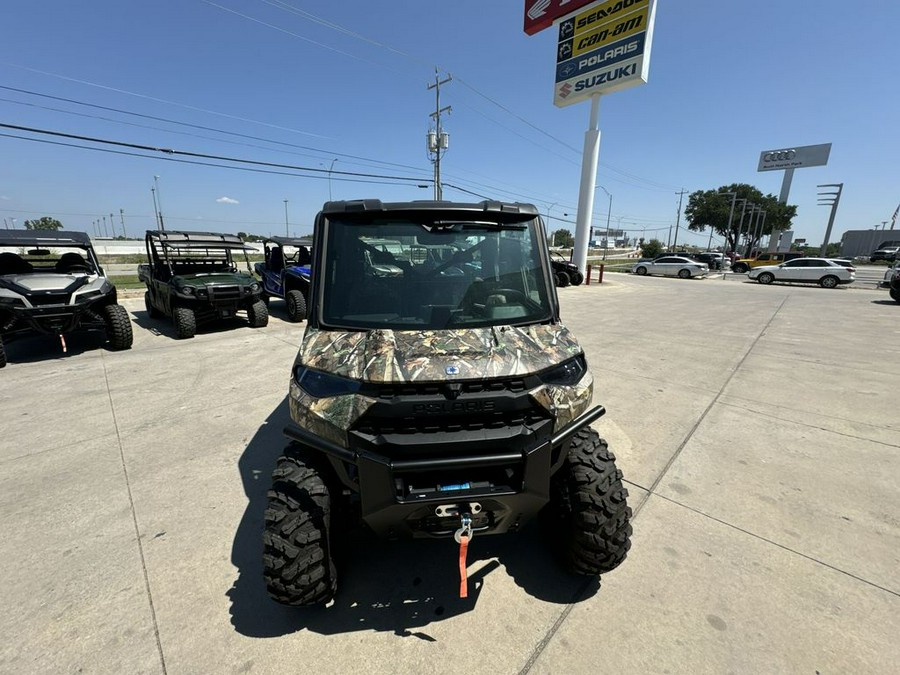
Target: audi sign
(794,158)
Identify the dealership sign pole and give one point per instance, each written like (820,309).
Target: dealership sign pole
(602,47)
(788,159)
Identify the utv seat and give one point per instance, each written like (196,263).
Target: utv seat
(10,263)
(69,261)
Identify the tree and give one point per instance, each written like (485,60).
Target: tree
(45,223)
(652,248)
(564,238)
(710,208)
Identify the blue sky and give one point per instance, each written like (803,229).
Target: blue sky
(308,83)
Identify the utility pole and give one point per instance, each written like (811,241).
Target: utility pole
(286,231)
(104,227)
(122,217)
(112,226)
(678,219)
(437,141)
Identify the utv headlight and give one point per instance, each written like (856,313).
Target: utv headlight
(566,374)
(187,290)
(323,385)
(254,287)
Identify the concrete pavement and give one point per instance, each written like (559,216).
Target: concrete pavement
(757,427)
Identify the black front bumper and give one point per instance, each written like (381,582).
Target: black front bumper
(20,321)
(501,490)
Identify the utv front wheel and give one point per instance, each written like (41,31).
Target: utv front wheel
(296,305)
(562,279)
(2,354)
(590,502)
(185,322)
(895,294)
(118,327)
(297,562)
(258,314)
(577,278)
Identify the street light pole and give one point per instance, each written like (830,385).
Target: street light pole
(330,169)
(608,215)
(730,216)
(158,196)
(286,231)
(548,220)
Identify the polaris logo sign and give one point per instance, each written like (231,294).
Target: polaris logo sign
(603,48)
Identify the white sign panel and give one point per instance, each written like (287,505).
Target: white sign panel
(603,48)
(794,158)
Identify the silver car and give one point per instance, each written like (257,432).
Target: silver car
(672,266)
(827,273)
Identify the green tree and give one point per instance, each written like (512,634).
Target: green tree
(45,223)
(652,248)
(710,208)
(562,237)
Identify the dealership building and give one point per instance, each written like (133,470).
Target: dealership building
(863,242)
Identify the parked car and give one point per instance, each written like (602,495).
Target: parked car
(285,273)
(887,250)
(743,265)
(716,261)
(827,273)
(895,284)
(672,266)
(889,275)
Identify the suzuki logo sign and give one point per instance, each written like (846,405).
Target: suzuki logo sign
(540,14)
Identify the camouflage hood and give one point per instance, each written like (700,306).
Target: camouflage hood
(421,356)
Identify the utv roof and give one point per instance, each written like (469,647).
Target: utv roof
(486,207)
(43,238)
(174,239)
(291,241)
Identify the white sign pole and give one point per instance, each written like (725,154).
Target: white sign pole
(586,193)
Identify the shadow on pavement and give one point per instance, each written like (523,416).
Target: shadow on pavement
(396,587)
(164,326)
(35,348)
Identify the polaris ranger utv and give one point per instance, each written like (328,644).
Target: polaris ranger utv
(437,399)
(51,283)
(193,278)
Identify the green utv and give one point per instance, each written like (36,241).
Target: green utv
(437,394)
(192,278)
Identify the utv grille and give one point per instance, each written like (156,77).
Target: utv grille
(451,419)
(225,293)
(41,299)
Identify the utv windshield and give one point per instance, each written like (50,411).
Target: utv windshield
(406,274)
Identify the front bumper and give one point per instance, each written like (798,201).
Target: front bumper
(19,321)
(400,497)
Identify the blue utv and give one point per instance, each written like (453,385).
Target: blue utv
(285,273)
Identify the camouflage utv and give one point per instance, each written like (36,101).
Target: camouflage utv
(437,394)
